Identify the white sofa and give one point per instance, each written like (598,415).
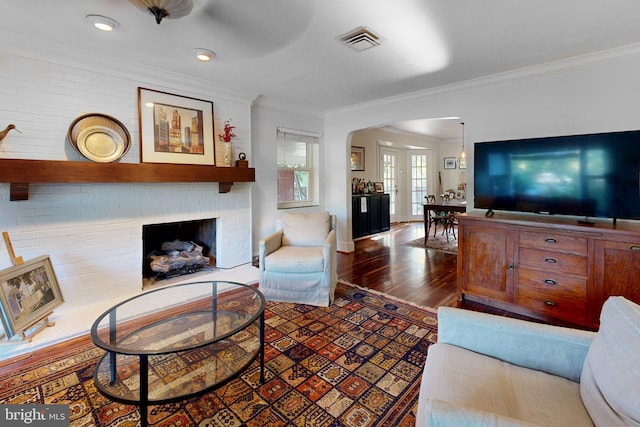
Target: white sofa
(298,263)
(488,370)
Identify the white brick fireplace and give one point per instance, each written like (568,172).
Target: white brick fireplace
(93,234)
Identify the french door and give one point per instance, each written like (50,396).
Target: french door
(419,185)
(389,173)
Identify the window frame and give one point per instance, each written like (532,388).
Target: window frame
(312,149)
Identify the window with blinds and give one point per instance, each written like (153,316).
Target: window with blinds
(298,155)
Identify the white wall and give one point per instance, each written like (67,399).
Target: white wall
(93,231)
(265,122)
(598,93)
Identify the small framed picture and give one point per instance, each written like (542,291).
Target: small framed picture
(462,163)
(378,187)
(175,129)
(449,162)
(357,158)
(28,292)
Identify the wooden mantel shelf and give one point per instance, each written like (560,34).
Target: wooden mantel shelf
(20,173)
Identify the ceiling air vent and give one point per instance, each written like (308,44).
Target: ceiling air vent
(360,39)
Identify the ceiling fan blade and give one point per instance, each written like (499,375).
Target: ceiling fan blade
(255,27)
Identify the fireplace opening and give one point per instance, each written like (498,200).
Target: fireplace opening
(177,248)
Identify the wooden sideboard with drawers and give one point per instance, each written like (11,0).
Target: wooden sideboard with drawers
(551,268)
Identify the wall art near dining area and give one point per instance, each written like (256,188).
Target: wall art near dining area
(449,162)
(357,158)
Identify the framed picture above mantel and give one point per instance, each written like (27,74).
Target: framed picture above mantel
(175,129)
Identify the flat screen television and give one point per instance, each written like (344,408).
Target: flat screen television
(595,175)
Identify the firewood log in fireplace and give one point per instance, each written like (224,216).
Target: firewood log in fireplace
(178,255)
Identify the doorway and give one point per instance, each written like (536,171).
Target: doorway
(390,150)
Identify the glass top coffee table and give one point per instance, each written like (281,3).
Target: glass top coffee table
(178,342)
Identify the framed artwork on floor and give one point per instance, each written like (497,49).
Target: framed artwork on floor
(28,293)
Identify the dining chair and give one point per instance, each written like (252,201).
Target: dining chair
(451,222)
(435,217)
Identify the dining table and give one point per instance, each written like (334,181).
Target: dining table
(448,206)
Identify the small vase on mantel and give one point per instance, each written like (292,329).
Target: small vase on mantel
(226,136)
(227,154)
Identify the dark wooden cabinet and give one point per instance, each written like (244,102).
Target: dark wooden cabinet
(375,219)
(370,214)
(385,212)
(549,268)
(360,217)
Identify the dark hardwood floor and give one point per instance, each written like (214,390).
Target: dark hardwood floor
(385,263)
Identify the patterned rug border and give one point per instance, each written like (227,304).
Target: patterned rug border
(390,297)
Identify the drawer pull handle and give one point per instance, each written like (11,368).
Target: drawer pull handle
(550,303)
(550,282)
(551,260)
(634,248)
(550,240)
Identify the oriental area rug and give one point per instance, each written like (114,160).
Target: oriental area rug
(358,363)
(439,243)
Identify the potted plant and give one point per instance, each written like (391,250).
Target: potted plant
(227,132)
(226,136)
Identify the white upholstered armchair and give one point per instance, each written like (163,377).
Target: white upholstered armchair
(298,262)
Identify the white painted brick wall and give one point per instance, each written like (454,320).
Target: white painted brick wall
(93,232)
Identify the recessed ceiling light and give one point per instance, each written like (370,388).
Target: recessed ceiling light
(102,22)
(204,55)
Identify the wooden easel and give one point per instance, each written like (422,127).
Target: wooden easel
(25,335)
(12,255)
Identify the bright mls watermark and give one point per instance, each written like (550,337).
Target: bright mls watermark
(34,415)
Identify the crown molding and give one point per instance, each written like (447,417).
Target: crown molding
(397,131)
(536,71)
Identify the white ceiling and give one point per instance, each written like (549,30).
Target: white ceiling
(444,128)
(286,52)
